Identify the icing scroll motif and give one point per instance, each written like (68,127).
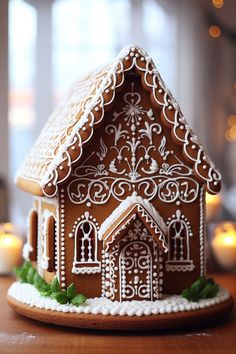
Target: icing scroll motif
(135,263)
(179,233)
(85,245)
(132,267)
(131,164)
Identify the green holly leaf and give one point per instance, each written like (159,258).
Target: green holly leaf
(23,275)
(209,291)
(55,286)
(190,294)
(17,271)
(201,289)
(54,294)
(39,282)
(198,285)
(26,265)
(46,293)
(213,291)
(44,287)
(78,300)
(71,291)
(30,275)
(60,297)
(210,280)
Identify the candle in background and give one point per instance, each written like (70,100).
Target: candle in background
(10,249)
(224,244)
(213,204)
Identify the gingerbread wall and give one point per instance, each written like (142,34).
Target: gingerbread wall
(132,151)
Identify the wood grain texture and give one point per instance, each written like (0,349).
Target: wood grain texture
(21,335)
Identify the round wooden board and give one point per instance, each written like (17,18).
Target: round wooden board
(109,322)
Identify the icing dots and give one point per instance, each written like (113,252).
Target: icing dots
(27,294)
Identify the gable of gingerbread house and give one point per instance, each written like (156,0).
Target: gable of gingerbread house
(62,142)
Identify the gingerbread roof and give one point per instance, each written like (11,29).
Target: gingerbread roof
(72,124)
(128,210)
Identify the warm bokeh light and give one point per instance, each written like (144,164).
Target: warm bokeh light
(230,134)
(214,31)
(9,240)
(218,3)
(213,204)
(10,252)
(225,235)
(224,244)
(232,120)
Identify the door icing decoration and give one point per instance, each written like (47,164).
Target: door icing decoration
(132,266)
(135,263)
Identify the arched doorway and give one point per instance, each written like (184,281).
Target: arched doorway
(133,265)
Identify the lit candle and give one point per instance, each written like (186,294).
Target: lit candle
(10,252)
(224,244)
(213,204)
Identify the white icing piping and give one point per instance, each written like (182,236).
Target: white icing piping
(84,118)
(145,205)
(123,206)
(167,104)
(27,294)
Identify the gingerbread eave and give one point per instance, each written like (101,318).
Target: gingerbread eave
(88,113)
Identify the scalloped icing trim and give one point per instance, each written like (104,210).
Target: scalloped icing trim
(27,294)
(93,112)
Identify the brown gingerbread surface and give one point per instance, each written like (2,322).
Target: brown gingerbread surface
(119,181)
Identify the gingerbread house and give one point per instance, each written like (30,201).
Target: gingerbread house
(119,181)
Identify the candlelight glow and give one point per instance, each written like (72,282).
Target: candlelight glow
(218,3)
(7,240)
(213,203)
(214,31)
(224,244)
(225,234)
(212,199)
(10,248)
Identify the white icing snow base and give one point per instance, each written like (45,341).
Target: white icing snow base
(27,294)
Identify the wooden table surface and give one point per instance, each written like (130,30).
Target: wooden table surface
(22,335)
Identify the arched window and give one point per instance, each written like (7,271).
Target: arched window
(178,240)
(85,245)
(48,242)
(86,242)
(50,248)
(30,248)
(179,233)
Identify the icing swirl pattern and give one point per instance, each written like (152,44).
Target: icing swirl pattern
(61,142)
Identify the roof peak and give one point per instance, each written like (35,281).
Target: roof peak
(56,150)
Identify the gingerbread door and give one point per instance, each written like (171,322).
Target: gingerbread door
(133,265)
